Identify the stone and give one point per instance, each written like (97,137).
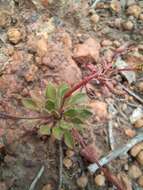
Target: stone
(4,19)
(134,10)
(139,123)
(141,16)
(106,43)
(86,51)
(14,35)
(99,109)
(72,73)
(123,177)
(47,187)
(136,149)
(82,181)
(116,43)
(134,172)
(128,25)
(115,6)
(130,2)
(31,74)
(140,86)
(100,180)
(130,132)
(67,163)
(95,18)
(140,157)
(140,181)
(69,153)
(42,47)
(118,23)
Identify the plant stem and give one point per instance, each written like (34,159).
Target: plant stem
(13,117)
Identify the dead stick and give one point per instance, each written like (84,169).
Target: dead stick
(117,152)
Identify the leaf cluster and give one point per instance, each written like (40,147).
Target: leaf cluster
(66,115)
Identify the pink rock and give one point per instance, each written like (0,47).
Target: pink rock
(89,50)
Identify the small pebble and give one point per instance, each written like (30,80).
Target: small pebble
(100,180)
(140,157)
(136,149)
(4,19)
(106,43)
(140,84)
(130,132)
(139,123)
(141,16)
(134,10)
(47,187)
(134,172)
(69,153)
(82,181)
(67,163)
(140,181)
(94,18)
(116,43)
(128,25)
(14,35)
(118,23)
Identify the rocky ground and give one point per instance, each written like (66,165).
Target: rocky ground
(49,40)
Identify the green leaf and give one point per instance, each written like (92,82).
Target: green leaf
(51,92)
(84,113)
(45,130)
(68,139)
(71,113)
(65,125)
(29,104)
(50,105)
(76,120)
(63,88)
(57,133)
(77,98)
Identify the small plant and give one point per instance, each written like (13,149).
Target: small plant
(60,115)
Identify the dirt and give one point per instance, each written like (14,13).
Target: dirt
(48,41)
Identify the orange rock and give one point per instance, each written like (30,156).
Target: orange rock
(106,43)
(139,123)
(134,172)
(82,181)
(14,35)
(141,16)
(140,86)
(130,132)
(140,157)
(136,149)
(100,180)
(45,2)
(134,10)
(99,109)
(115,6)
(140,181)
(128,25)
(31,74)
(88,50)
(67,163)
(42,47)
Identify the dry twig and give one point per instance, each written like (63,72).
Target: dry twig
(117,152)
(33,184)
(60,166)
(132,93)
